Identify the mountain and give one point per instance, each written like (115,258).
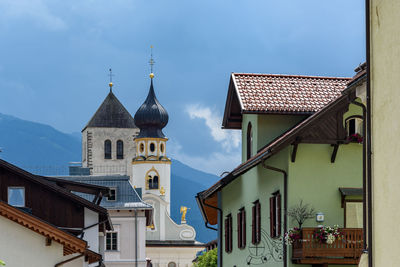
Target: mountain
(41,149)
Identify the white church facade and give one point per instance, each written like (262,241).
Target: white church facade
(114,146)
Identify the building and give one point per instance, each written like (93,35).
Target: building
(383,148)
(167,243)
(48,223)
(130,215)
(300,144)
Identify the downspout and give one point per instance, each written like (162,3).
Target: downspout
(364,175)
(136,239)
(71,259)
(285,200)
(369,179)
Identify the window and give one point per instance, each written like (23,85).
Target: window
(153,182)
(275,214)
(354,125)
(241,224)
(249,140)
(141,148)
(107,149)
(353,212)
(228,233)
(113,194)
(16,196)
(162,148)
(152,179)
(256,223)
(120,149)
(152,147)
(172,264)
(112,241)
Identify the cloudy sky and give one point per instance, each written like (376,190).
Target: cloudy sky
(55,56)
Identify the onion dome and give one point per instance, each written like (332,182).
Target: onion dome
(151,117)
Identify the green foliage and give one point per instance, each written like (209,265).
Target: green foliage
(2,263)
(208,259)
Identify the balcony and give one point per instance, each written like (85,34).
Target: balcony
(345,251)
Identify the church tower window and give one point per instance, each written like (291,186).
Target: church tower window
(152,147)
(120,149)
(107,149)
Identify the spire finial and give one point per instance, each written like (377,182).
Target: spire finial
(151,62)
(111,75)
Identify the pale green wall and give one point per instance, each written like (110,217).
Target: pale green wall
(265,129)
(256,184)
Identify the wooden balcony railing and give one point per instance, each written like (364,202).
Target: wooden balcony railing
(347,250)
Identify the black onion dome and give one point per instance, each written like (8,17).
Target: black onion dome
(151,117)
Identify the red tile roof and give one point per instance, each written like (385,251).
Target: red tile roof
(286,93)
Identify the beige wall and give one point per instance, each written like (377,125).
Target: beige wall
(182,256)
(20,246)
(385,88)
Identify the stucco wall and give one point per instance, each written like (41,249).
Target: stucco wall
(20,246)
(385,80)
(182,256)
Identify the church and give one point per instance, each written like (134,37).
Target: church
(119,147)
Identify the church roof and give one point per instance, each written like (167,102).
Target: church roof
(111,114)
(151,117)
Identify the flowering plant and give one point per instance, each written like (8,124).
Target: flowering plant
(328,234)
(355,138)
(292,235)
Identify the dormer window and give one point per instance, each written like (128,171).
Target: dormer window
(107,149)
(16,196)
(120,149)
(354,128)
(249,140)
(113,195)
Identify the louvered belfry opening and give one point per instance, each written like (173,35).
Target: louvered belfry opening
(275,214)
(256,223)
(241,222)
(228,233)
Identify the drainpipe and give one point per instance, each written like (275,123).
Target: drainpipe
(364,175)
(285,200)
(369,179)
(71,259)
(136,238)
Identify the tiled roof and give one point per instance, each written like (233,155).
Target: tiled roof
(111,114)
(273,93)
(125,193)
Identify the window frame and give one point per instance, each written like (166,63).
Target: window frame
(111,244)
(228,233)
(115,194)
(120,149)
(24,195)
(249,140)
(256,223)
(358,120)
(107,149)
(241,226)
(275,218)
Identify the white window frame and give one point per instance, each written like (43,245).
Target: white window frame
(117,241)
(8,195)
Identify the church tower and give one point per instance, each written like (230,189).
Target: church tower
(151,168)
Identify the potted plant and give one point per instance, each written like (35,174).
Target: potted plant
(328,234)
(355,138)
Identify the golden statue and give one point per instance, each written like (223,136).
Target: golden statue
(184,211)
(162,191)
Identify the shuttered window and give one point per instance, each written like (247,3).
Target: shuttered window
(256,223)
(275,215)
(241,222)
(228,233)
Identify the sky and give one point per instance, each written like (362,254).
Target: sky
(55,56)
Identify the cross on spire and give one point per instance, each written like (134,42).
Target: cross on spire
(151,62)
(111,75)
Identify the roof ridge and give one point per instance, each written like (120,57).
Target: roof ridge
(292,76)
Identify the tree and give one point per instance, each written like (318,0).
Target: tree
(2,263)
(208,259)
(301,212)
